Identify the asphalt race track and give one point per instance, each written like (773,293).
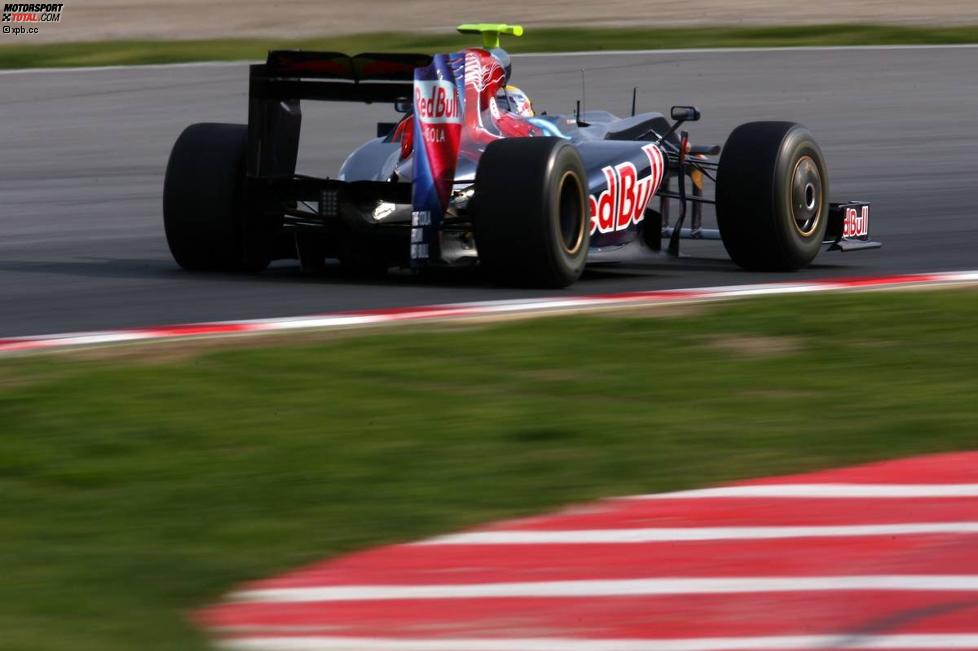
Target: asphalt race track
(83,154)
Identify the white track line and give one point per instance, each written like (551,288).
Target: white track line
(142,66)
(772,643)
(686,534)
(734,50)
(583,53)
(828,491)
(615,588)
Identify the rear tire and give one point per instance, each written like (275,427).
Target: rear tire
(772,196)
(531,212)
(208,221)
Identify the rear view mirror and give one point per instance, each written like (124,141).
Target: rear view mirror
(403,105)
(685,113)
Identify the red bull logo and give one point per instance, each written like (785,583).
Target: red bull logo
(856,223)
(436,102)
(624,201)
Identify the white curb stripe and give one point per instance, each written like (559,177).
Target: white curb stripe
(480,309)
(827,491)
(627,536)
(772,643)
(614,588)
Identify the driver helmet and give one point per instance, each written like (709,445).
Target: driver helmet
(518,102)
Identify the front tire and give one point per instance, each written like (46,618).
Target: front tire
(531,212)
(208,221)
(772,196)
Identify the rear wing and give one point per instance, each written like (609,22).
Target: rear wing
(332,76)
(277,86)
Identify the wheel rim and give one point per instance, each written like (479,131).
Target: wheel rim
(806,196)
(571,213)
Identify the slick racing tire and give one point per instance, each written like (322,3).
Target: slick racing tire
(531,212)
(772,196)
(208,221)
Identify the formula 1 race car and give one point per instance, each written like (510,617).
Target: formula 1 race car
(471,174)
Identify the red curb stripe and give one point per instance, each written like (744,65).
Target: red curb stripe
(452,565)
(194,329)
(886,280)
(948,468)
(746,512)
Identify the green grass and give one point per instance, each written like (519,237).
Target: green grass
(536,40)
(135,490)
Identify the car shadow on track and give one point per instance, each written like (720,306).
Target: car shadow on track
(670,271)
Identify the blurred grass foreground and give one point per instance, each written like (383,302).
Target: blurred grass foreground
(140,483)
(558,39)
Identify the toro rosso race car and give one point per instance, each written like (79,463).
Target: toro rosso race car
(472,175)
